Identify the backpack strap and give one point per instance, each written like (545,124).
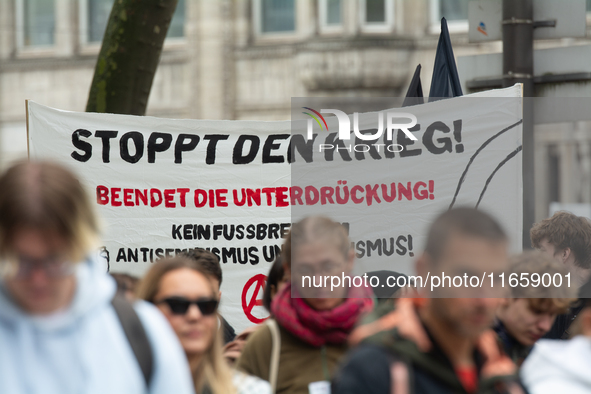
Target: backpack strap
(399,378)
(136,336)
(275,351)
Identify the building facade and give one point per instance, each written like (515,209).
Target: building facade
(246,59)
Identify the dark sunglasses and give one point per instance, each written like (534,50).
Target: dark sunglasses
(180,305)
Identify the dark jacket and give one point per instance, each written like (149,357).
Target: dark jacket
(367,369)
(560,328)
(513,348)
(228,330)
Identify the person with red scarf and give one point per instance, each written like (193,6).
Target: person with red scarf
(310,324)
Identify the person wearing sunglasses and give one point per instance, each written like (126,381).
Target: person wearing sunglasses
(211,265)
(60,331)
(183,291)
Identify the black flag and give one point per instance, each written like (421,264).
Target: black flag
(445,81)
(414,94)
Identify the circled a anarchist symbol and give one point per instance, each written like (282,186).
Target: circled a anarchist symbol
(258,282)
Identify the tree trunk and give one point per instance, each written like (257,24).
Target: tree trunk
(129,56)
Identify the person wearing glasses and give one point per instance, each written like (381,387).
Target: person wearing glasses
(182,289)
(60,328)
(211,265)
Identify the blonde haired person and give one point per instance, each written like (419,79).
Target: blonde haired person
(307,336)
(183,291)
(60,329)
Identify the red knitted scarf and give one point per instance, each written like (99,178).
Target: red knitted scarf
(321,327)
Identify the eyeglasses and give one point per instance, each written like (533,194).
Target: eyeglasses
(53,266)
(180,305)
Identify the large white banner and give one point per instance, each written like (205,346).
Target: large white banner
(164,185)
(387,189)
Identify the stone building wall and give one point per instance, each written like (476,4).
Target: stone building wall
(225,68)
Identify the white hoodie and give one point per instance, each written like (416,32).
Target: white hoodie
(556,366)
(83,349)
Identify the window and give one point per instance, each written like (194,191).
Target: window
(454,11)
(375,11)
(277,16)
(377,15)
(331,15)
(97,18)
(333,12)
(36,19)
(177,24)
(553,173)
(94,17)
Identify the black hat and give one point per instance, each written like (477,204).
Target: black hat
(382,290)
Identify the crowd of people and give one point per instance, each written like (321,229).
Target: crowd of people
(66,326)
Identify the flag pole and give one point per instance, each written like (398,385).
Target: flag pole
(518,67)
